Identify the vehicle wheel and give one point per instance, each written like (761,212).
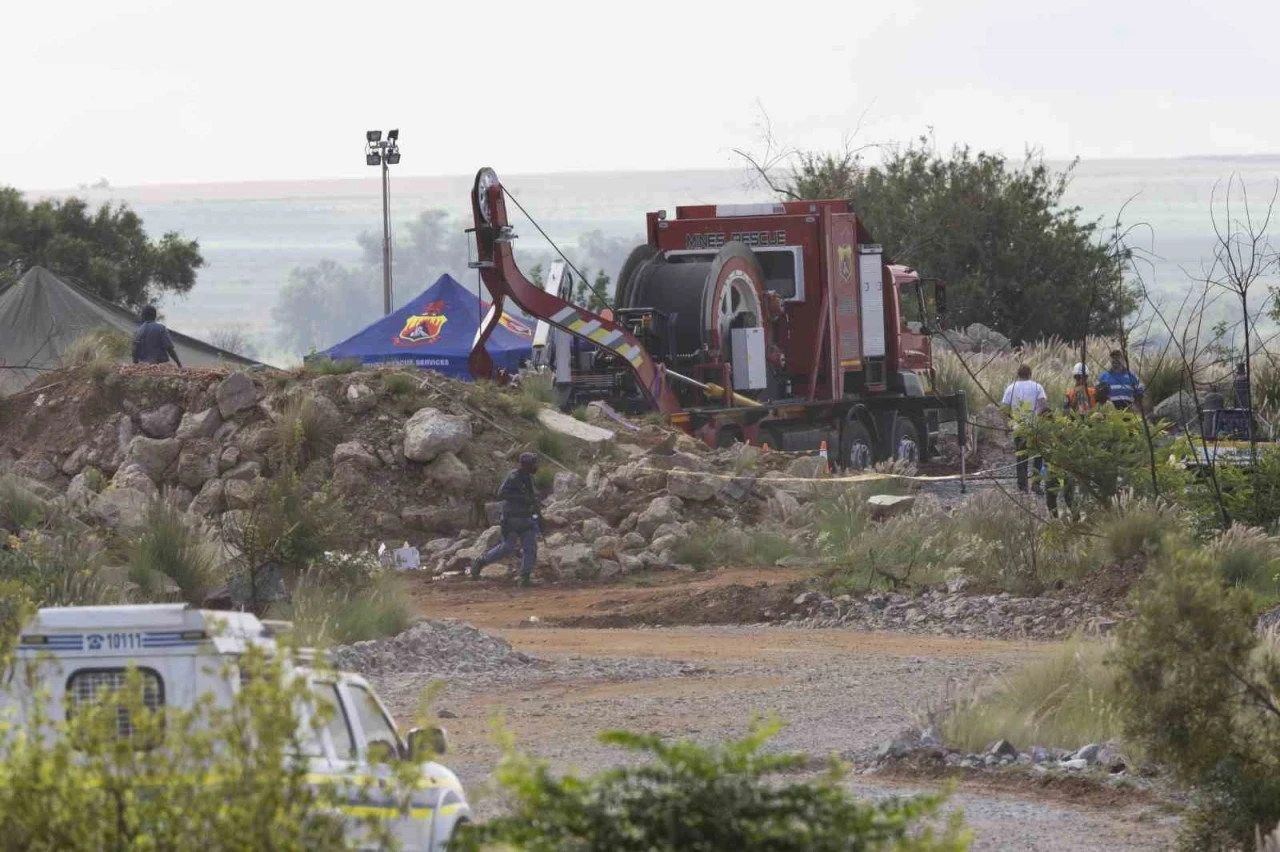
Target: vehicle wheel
(857,452)
(906,441)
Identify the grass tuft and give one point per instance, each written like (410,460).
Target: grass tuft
(171,550)
(552,444)
(399,383)
(326,614)
(19,508)
(331,366)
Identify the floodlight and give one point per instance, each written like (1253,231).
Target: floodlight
(393,157)
(373,135)
(372,158)
(393,135)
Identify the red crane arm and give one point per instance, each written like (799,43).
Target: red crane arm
(503,278)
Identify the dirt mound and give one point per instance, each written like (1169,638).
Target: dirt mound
(733,604)
(430,649)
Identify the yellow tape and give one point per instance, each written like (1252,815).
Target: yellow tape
(857,477)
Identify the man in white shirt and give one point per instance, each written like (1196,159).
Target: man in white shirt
(1024,399)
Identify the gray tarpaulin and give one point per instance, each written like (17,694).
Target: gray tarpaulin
(41,315)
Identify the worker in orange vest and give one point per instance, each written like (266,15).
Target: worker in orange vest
(1081,398)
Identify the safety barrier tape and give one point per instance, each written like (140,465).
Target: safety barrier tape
(873,476)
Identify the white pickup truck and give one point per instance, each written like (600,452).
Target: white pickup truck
(83,651)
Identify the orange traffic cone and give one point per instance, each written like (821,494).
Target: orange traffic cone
(822,453)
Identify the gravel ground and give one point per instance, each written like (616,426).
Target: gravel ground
(837,691)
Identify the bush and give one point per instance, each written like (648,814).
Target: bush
(580,414)
(399,383)
(908,550)
(1002,545)
(324,366)
(539,388)
(1248,557)
(57,570)
(19,508)
(326,612)
(1197,688)
(103,346)
(228,776)
(488,396)
(1102,451)
(307,430)
(1141,528)
(689,796)
(1064,698)
(172,549)
(552,444)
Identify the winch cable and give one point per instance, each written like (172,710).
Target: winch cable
(545,236)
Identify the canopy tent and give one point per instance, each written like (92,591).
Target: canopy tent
(41,316)
(435,331)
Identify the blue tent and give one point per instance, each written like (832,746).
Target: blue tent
(435,332)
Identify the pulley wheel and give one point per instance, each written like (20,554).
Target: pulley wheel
(734,297)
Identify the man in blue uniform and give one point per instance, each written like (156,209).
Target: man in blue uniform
(1124,388)
(521,515)
(151,342)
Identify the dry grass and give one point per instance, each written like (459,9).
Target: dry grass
(171,550)
(325,614)
(1064,698)
(107,344)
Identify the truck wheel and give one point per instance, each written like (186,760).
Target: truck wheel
(906,441)
(857,451)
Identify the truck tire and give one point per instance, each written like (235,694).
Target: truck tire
(857,452)
(906,441)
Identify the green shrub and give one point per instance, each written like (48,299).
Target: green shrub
(325,612)
(1197,688)
(1065,697)
(1247,557)
(1102,451)
(399,383)
(488,396)
(544,480)
(170,548)
(1002,545)
(529,409)
(58,569)
(698,551)
(910,550)
(580,413)
(19,508)
(552,444)
(1141,528)
(728,796)
(768,547)
(539,388)
(307,430)
(324,366)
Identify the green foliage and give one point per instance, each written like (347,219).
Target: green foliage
(330,611)
(553,444)
(1102,451)
(590,296)
(1198,694)
(909,550)
(580,414)
(107,252)
(326,366)
(1141,528)
(15,607)
(399,383)
(57,569)
(543,480)
(1248,557)
(1065,697)
(694,797)
(228,774)
(171,549)
(488,396)
(19,508)
(308,429)
(1014,257)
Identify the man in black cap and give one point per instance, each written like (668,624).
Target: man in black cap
(151,342)
(521,514)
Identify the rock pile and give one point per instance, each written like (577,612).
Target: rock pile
(430,649)
(920,748)
(957,614)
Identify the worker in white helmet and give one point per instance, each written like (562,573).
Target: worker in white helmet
(1080,398)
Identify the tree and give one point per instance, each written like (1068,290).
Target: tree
(107,252)
(1013,257)
(423,249)
(324,304)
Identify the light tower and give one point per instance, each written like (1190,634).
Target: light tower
(379,152)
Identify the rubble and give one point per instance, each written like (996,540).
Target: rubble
(430,649)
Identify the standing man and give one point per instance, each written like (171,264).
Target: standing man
(1124,388)
(1081,399)
(521,515)
(151,342)
(1022,401)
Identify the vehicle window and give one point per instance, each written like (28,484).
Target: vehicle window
(93,686)
(327,704)
(779,272)
(377,727)
(909,299)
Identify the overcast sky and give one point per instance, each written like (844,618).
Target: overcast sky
(158,92)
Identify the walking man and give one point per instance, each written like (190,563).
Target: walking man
(1023,400)
(151,342)
(521,516)
(1124,388)
(1081,399)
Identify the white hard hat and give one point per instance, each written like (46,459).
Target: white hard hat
(1079,370)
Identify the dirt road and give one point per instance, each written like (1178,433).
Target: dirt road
(838,691)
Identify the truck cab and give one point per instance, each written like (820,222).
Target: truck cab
(80,654)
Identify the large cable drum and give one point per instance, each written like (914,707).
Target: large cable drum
(708,296)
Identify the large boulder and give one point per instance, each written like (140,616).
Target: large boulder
(573,560)
(160,422)
(83,488)
(446,519)
(692,485)
(360,397)
(76,462)
(235,393)
(574,428)
(120,508)
(566,482)
(257,438)
(884,506)
(1179,409)
(239,494)
(198,424)
(198,463)
(210,501)
(355,453)
(430,432)
(662,510)
(350,479)
(132,477)
(39,469)
(153,455)
(449,472)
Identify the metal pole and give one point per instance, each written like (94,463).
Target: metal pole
(386,236)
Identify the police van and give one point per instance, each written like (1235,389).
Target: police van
(180,653)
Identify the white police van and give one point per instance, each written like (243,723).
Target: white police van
(180,652)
